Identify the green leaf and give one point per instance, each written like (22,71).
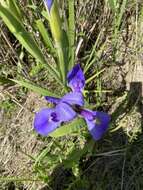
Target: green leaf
(71,32)
(35,88)
(33,7)
(69,128)
(45,36)
(19,31)
(94,76)
(42,155)
(4,80)
(112,4)
(60,53)
(58,36)
(93,54)
(118,18)
(16,27)
(13,6)
(122,11)
(45,14)
(36,69)
(76,154)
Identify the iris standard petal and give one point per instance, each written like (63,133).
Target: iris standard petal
(46,121)
(52,99)
(73,98)
(66,113)
(97,122)
(48,4)
(76,79)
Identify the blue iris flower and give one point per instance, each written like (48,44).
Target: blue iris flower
(49,4)
(69,107)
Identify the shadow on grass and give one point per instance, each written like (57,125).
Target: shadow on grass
(133,99)
(96,166)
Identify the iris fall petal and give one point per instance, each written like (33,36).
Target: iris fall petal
(46,121)
(97,122)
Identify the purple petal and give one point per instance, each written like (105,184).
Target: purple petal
(102,116)
(73,98)
(87,114)
(48,4)
(66,113)
(97,122)
(46,121)
(76,79)
(52,99)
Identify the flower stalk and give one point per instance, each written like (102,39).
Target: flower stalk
(58,34)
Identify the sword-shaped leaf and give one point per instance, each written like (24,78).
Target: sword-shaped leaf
(34,87)
(26,39)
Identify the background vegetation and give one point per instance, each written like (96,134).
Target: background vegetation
(109,46)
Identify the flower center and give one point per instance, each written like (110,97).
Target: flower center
(54,117)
